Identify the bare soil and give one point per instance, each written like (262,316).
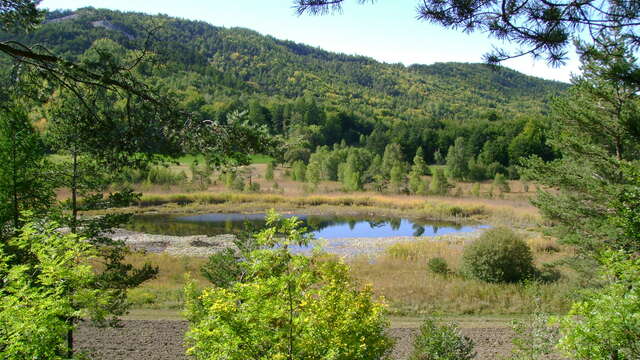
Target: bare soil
(163,340)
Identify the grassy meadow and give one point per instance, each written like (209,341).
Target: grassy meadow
(400,275)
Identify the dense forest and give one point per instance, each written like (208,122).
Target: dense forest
(318,98)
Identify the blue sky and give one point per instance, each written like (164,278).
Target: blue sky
(387,30)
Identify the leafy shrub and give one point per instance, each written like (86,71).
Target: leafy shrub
(475,190)
(499,255)
(439,184)
(41,297)
(534,337)
(237,184)
(223,268)
(163,176)
(438,266)
(606,324)
(286,307)
(298,171)
(268,175)
(251,187)
(443,342)
(501,183)
(200,175)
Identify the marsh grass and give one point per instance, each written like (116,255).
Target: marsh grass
(498,212)
(401,276)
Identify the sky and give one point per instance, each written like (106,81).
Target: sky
(387,30)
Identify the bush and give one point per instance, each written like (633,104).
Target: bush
(606,324)
(223,268)
(298,171)
(286,307)
(268,175)
(534,338)
(40,298)
(438,266)
(441,343)
(251,187)
(499,255)
(163,176)
(501,183)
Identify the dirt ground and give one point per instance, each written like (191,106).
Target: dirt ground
(162,340)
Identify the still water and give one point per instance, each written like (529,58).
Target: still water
(322,226)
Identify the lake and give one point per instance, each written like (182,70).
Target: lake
(322,226)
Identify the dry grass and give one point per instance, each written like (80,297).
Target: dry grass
(166,290)
(401,276)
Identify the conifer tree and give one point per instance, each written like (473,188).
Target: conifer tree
(24,183)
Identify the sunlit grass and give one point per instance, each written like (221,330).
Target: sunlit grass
(400,275)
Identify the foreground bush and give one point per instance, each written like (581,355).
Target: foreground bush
(499,255)
(443,342)
(46,283)
(286,307)
(606,325)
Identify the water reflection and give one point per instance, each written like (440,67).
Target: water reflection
(324,226)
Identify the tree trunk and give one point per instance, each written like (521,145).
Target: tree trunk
(74,194)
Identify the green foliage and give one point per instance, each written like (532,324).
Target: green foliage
(24,183)
(458,160)
(392,157)
(595,130)
(200,174)
(501,183)
(42,297)
(419,165)
(229,177)
(286,307)
(397,178)
(438,265)
(439,184)
(416,184)
(291,99)
(499,255)
(223,268)
(159,175)
(531,141)
(298,171)
(475,190)
(268,175)
(357,163)
(606,323)
(441,342)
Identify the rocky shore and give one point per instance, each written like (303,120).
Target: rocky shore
(202,245)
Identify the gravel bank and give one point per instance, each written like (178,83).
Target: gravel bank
(202,245)
(198,245)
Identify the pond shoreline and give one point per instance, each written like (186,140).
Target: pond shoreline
(203,245)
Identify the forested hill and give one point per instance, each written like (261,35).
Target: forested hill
(222,64)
